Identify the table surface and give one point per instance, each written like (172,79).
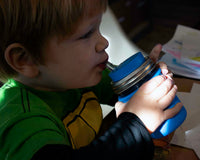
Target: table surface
(184,84)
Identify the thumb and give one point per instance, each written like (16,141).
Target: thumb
(119,107)
(154,54)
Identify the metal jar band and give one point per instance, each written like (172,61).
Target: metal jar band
(134,77)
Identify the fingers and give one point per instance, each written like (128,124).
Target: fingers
(154,55)
(152,84)
(119,107)
(165,70)
(168,98)
(163,89)
(119,104)
(170,75)
(169,113)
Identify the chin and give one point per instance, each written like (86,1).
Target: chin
(95,81)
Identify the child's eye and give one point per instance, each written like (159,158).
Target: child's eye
(87,35)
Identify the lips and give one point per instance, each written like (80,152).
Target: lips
(103,64)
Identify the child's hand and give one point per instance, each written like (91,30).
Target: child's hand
(149,102)
(154,55)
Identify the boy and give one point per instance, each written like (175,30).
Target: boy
(53,64)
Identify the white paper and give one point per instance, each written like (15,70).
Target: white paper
(184,43)
(179,67)
(183,52)
(106,109)
(188,134)
(191,47)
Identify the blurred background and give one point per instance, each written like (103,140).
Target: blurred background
(149,22)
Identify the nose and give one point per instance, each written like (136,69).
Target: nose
(102,44)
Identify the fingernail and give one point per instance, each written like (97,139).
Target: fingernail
(165,77)
(169,77)
(164,71)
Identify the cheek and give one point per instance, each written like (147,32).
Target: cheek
(74,76)
(76,71)
(87,76)
(85,63)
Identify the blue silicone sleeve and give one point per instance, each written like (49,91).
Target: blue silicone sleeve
(129,66)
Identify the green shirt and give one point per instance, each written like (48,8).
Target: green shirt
(30,119)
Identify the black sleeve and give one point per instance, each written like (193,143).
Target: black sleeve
(127,138)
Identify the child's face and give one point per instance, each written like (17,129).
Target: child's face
(76,61)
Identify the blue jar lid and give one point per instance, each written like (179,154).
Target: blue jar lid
(127,67)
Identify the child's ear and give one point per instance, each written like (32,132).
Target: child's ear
(20,60)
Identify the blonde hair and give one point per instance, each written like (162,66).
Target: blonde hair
(31,22)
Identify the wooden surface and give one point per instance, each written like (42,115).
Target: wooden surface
(184,84)
(174,152)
